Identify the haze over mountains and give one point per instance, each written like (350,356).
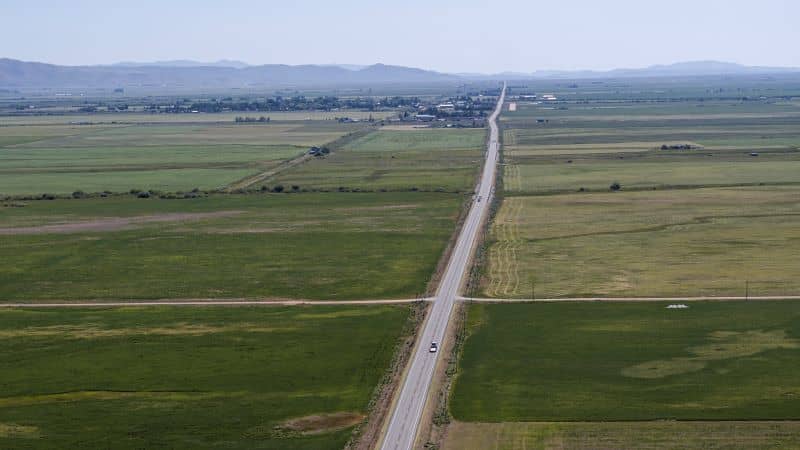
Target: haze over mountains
(227,73)
(184,63)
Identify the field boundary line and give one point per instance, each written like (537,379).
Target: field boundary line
(629,299)
(212,302)
(304,157)
(263,176)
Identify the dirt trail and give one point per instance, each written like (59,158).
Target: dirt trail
(265,175)
(204,302)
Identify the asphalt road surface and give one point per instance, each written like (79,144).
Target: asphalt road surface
(402,428)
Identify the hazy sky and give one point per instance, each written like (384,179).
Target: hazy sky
(445,35)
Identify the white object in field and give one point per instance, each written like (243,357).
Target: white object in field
(677,306)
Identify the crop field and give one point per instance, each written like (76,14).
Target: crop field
(211,377)
(598,172)
(222,117)
(609,362)
(649,243)
(298,245)
(706,200)
(630,361)
(592,151)
(616,435)
(63,158)
(425,159)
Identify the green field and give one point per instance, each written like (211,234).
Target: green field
(215,377)
(60,159)
(629,361)
(315,246)
(702,220)
(598,173)
(141,117)
(651,243)
(591,150)
(425,159)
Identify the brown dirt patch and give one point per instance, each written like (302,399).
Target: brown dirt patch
(323,423)
(722,345)
(113,223)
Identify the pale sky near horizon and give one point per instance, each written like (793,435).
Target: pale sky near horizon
(445,35)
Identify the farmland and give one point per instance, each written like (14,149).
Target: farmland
(38,156)
(647,193)
(194,206)
(209,377)
(712,361)
(638,192)
(308,245)
(648,243)
(425,159)
(634,362)
(642,435)
(65,117)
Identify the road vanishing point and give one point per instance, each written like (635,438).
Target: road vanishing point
(401,430)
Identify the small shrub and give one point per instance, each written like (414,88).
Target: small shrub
(143,194)
(615,186)
(278,188)
(78,194)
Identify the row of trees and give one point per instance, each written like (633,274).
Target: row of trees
(297,103)
(240,119)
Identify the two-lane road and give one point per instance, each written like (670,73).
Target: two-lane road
(402,428)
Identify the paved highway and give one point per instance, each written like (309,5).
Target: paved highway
(402,428)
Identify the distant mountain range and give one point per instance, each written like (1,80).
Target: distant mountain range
(184,63)
(222,74)
(681,69)
(227,74)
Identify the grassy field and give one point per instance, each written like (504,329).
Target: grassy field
(60,159)
(616,435)
(235,377)
(702,220)
(139,117)
(598,173)
(426,159)
(630,362)
(649,243)
(593,144)
(316,246)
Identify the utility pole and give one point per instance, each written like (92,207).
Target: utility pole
(746,290)
(533,287)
